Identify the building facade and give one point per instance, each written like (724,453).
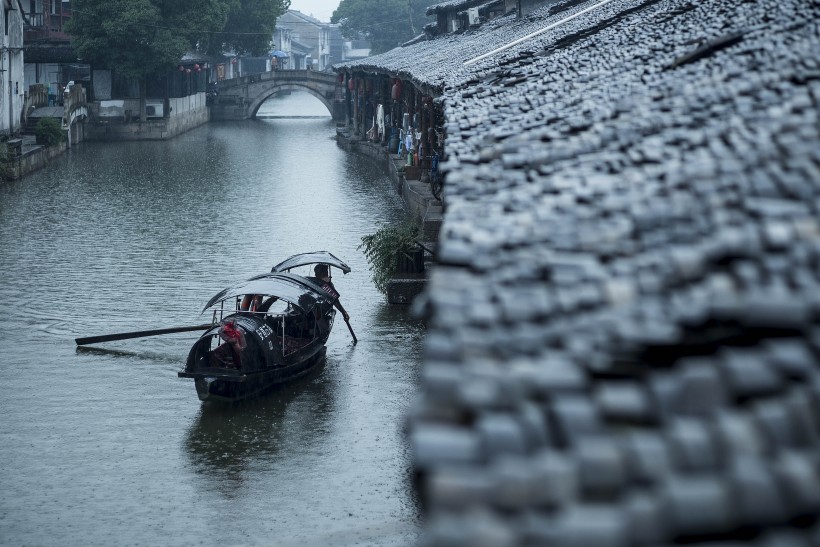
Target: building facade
(12,88)
(309,33)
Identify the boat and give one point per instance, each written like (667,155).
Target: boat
(248,350)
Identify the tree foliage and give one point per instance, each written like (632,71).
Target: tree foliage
(137,38)
(385,23)
(49,132)
(250,24)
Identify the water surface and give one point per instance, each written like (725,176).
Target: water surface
(106,445)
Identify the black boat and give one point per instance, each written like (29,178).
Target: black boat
(250,349)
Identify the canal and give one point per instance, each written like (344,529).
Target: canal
(106,445)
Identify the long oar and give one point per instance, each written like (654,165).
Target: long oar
(136,334)
(355,340)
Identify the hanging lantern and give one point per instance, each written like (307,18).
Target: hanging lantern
(196,67)
(233,61)
(181,68)
(187,71)
(351,84)
(341,78)
(395,92)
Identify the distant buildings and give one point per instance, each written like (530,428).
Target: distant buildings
(36,51)
(312,43)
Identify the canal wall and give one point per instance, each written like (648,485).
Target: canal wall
(419,202)
(118,120)
(25,157)
(416,195)
(622,343)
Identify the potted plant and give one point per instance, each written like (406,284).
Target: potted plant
(393,249)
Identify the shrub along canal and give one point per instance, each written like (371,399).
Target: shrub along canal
(106,445)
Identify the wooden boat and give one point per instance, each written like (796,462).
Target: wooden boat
(248,351)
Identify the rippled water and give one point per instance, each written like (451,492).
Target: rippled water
(106,445)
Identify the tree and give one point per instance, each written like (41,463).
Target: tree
(250,25)
(131,36)
(385,23)
(141,38)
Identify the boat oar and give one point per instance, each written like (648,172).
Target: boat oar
(137,334)
(355,340)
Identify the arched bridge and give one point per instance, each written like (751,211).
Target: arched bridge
(240,98)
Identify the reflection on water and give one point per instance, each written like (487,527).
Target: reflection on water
(106,445)
(225,440)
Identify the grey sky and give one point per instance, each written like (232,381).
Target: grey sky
(320,9)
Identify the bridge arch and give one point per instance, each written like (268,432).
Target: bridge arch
(254,106)
(240,98)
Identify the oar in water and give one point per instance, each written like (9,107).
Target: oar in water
(137,334)
(355,340)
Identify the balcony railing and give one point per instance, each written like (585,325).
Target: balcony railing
(45,26)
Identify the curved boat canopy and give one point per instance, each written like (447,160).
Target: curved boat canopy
(293,289)
(316,257)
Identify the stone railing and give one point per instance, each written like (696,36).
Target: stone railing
(37,95)
(73,99)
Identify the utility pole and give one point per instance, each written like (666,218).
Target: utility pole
(410,15)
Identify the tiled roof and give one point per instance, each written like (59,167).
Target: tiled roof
(440,61)
(454,5)
(305,17)
(624,327)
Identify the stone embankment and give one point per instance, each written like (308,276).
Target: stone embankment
(25,156)
(118,120)
(624,323)
(419,202)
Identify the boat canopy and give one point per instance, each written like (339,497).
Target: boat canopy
(316,257)
(293,289)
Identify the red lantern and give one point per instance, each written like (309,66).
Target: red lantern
(187,71)
(351,84)
(395,92)
(181,68)
(196,67)
(233,61)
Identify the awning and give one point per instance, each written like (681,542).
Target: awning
(293,289)
(316,257)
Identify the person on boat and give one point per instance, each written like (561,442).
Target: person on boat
(250,302)
(253,302)
(229,354)
(323,279)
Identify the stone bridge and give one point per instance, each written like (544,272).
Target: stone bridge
(240,98)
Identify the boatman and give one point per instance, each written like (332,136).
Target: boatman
(323,279)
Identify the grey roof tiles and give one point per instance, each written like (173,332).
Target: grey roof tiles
(624,337)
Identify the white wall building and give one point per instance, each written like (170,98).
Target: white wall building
(49,58)
(309,33)
(12,88)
